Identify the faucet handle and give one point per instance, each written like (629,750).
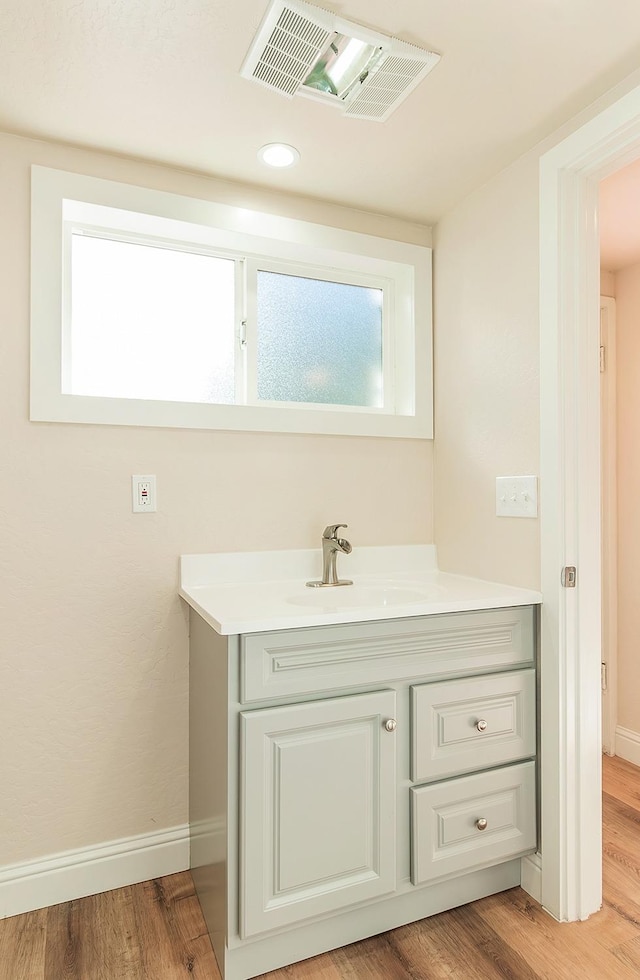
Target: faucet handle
(330,530)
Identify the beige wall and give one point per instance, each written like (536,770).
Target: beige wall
(486,302)
(607,283)
(93,665)
(486,371)
(627,287)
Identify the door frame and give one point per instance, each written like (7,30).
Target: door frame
(571,806)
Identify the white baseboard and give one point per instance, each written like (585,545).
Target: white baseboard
(87,871)
(531,876)
(628,745)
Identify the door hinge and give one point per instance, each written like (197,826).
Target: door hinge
(604,679)
(603,359)
(568,577)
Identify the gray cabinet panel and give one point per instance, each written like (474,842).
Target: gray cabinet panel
(472,822)
(472,723)
(318,808)
(326,658)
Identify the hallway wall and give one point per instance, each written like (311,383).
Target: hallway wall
(627,293)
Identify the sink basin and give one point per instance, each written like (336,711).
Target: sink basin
(358,596)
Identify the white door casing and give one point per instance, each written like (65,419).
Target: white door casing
(571,876)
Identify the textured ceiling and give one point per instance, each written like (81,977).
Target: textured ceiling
(158,79)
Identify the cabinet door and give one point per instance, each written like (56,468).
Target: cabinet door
(317,825)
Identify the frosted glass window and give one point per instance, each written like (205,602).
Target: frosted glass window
(151,322)
(318,341)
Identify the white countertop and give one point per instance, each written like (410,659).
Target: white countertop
(253,592)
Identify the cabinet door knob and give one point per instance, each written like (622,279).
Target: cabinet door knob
(481,824)
(390,725)
(482,725)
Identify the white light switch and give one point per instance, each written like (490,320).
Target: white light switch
(516,496)
(143,493)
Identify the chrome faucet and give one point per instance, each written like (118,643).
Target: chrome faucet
(331,545)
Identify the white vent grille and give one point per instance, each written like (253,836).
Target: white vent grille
(282,58)
(385,88)
(294,34)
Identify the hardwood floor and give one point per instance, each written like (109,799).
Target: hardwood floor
(155,931)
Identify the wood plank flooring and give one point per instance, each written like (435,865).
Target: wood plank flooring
(155,931)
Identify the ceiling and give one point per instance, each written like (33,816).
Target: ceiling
(158,79)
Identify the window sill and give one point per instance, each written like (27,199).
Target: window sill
(249,418)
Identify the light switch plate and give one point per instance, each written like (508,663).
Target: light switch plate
(516,496)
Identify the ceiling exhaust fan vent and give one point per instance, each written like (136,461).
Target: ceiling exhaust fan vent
(282,55)
(391,82)
(301,49)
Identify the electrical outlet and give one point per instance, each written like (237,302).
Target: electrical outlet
(143,494)
(516,496)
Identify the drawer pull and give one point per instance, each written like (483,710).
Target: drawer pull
(482,725)
(481,824)
(390,725)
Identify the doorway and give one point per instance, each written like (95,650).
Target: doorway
(619,235)
(571,878)
(609,504)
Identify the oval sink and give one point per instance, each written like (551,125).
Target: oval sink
(357,596)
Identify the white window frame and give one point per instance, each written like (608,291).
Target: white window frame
(63,200)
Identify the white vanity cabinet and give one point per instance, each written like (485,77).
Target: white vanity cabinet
(348,779)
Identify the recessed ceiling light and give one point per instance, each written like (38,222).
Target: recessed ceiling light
(278,155)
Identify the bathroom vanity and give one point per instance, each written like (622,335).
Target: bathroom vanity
(359,758)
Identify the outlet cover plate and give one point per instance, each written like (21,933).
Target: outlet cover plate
(516,496)
(143,494)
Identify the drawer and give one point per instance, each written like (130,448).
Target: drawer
(446,822)
(473,723)
(328,658)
